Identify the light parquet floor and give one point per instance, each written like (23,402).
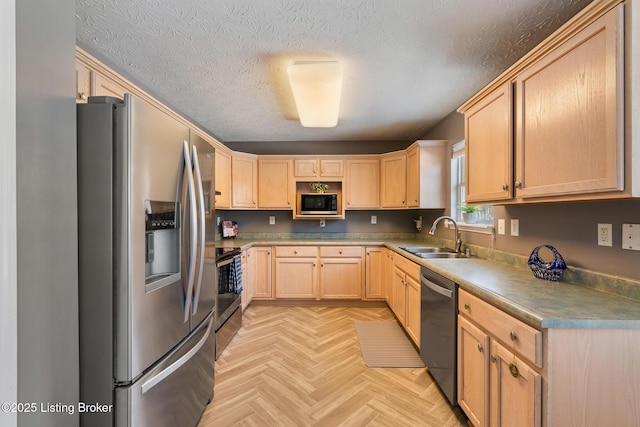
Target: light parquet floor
(302,366)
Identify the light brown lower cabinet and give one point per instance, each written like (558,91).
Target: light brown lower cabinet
(375,272)
(405,295)
(259,270)
(497,386)
(512,374)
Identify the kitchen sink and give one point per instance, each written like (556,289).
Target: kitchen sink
(426,249)
(431,255)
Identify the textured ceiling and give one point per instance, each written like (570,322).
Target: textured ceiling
(407,63)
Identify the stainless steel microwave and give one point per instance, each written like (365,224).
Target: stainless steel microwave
(318,204)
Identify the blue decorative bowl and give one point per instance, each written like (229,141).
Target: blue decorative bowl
(544,269)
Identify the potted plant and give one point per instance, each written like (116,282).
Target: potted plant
(319,187)
(470,213)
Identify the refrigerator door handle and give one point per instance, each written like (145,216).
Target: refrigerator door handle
(157,379)
(201,229)
(192,225)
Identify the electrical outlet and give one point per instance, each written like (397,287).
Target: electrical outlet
(272,219)
(631,237)
(604,235)
(501,226)
(374,219)
(515,227)
(322,223)
(218,221)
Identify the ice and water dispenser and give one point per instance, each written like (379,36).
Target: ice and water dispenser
(162,243)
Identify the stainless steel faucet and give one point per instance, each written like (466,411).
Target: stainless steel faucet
(455,225)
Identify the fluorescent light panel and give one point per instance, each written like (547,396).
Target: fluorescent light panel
(317,87)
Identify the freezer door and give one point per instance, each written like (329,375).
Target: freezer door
(176,392)
(205,287)
(149,291)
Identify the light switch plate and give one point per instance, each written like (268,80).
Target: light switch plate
(272,219)
(374,219)
(322,223)
(501,226)
(631,237)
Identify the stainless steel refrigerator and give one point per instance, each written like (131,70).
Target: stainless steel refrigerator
(147,282)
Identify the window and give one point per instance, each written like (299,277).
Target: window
(458,186)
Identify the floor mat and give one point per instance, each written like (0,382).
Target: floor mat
(385,345)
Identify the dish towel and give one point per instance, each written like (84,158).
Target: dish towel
(236,273)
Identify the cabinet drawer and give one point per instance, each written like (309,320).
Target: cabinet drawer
(296,251)
(341,251)
(513,333)
(406,265)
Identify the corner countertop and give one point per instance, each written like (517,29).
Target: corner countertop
(514,289)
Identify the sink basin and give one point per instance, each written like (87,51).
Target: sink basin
(432,255)
(417,250)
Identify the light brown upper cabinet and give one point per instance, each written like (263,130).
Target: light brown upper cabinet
(393,180)
(489,147)
(244,181)
(275,184)
(103,86)
(426,174)
(223,179)
(569,111)
(318,168)
(363,183)
(552,126)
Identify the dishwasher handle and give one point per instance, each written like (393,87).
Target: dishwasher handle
(439,289)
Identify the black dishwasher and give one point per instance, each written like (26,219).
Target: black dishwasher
(438,330)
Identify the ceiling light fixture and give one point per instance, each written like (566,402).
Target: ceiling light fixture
(316,86)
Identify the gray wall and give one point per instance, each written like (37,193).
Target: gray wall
(570,227)
(47,296)
(355,222)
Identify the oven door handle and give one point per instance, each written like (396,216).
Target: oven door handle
(438,289)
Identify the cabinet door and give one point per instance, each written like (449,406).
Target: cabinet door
(394,181)
(375,265)
(244,180)
(340,278)
(103,86)
(413,309)
(515,399)
(247,280)
(399,296)
(569,133)
(331,168)
(259,259)
(275,184)
(363,184)
(489,147)
(473,372)
(413,177)
(296,278)
(388,276)
(83,82)
(305,168)
(223,180)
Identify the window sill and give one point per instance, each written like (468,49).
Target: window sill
(474,228)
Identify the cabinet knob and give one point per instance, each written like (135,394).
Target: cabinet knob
(493,359)
(348,202)
(505,187)
(295,252)
(82,96)
(467,307)
(403,202)
(518,184)
(480,349)
(513,336)
(340,252)
(288,202)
